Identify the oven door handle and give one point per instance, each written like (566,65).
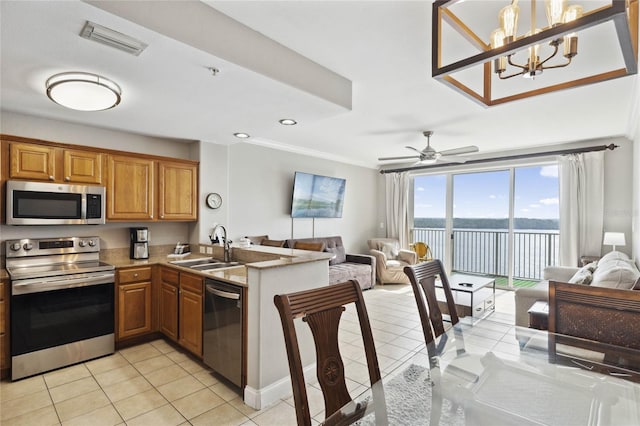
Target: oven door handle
(39,286)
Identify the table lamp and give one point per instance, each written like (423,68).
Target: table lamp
(614,239)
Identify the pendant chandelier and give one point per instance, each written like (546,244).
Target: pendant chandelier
(546,47)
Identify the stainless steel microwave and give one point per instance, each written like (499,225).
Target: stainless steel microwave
(45,203)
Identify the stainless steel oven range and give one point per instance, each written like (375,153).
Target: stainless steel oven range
(62,303)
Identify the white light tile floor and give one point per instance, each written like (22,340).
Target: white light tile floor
(157,384)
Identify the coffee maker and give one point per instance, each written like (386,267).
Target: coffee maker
(139,248)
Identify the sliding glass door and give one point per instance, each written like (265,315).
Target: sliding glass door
(502,223)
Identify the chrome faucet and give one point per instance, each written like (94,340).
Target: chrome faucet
(226,242)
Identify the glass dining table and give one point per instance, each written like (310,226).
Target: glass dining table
(545,380)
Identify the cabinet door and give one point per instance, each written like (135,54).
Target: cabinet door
(134,309)
(82,166)
(4,329)
(169,310)
(130,188)
(191,321)
(177,191)
(35,162)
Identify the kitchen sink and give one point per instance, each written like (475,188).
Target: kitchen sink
(204,264)
(214,265)
(193,262)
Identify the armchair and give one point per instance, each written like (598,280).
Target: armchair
(391,260)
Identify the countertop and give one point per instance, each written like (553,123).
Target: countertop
(259,257)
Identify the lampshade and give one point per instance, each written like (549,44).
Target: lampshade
(614,239)
(83,91)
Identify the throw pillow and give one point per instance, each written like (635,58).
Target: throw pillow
(583,276)
(339,255)
(591,266)
(390,250)
(272,243)
(615,274)
(309,246)
(614,255)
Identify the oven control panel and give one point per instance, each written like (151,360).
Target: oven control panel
(48,246)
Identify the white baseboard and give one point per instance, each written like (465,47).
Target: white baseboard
(259,399)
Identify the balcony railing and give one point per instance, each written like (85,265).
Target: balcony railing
(486,251)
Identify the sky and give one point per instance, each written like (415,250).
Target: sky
(486,194)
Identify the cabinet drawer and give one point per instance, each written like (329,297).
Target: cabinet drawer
(170,276)
(191,283)
(134,274)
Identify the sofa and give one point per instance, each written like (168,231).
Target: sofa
(343,266)
(614,271)
(391,260)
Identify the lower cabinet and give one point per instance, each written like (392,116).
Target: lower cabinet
(169,282)
(190,313)
(134,302)
(175,300)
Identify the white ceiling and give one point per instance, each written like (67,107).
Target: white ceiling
(381,49)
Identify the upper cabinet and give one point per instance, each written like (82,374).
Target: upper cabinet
(34,162)
(82,166)
(177,191)
(139,187)
(130,188)
(47,163)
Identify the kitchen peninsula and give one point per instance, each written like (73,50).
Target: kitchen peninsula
(265,272)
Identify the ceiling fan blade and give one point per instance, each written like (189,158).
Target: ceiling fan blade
(462,150)
(406,157)
(414,149)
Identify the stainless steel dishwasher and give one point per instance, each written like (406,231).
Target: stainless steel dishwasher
(222,345)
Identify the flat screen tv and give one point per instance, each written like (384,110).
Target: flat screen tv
(317,196)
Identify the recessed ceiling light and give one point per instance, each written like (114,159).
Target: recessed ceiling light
(288,122)
(83,91)
(241,135)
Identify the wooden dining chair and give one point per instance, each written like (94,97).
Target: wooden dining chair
(321,308)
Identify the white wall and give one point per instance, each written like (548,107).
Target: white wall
(260,189)
(113,235)
(635,185)
(618,193)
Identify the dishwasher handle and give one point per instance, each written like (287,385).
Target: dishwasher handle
(224,294)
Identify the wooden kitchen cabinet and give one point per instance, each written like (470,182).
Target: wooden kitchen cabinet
(34,162)
(82,166)
(169,283)
(134,302)
(177,191)
(190,313)
(130,188)
(51,164)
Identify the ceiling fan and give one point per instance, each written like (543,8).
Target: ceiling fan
(430,155)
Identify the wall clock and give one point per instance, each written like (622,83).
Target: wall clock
(214,200)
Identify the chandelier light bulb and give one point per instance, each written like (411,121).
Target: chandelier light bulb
(555,10)
(509,21)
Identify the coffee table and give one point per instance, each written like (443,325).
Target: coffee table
(474,296)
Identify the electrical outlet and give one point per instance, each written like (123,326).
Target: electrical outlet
(203,249)
(209,250)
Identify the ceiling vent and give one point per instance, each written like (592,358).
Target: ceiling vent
(112,38)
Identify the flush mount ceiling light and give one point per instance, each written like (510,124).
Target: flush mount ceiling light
(543,44)
(288,122)
(83,91)
(241,135)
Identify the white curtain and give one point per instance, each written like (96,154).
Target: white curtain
(581,179)
(397,193)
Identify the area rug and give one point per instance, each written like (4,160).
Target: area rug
(408,397)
